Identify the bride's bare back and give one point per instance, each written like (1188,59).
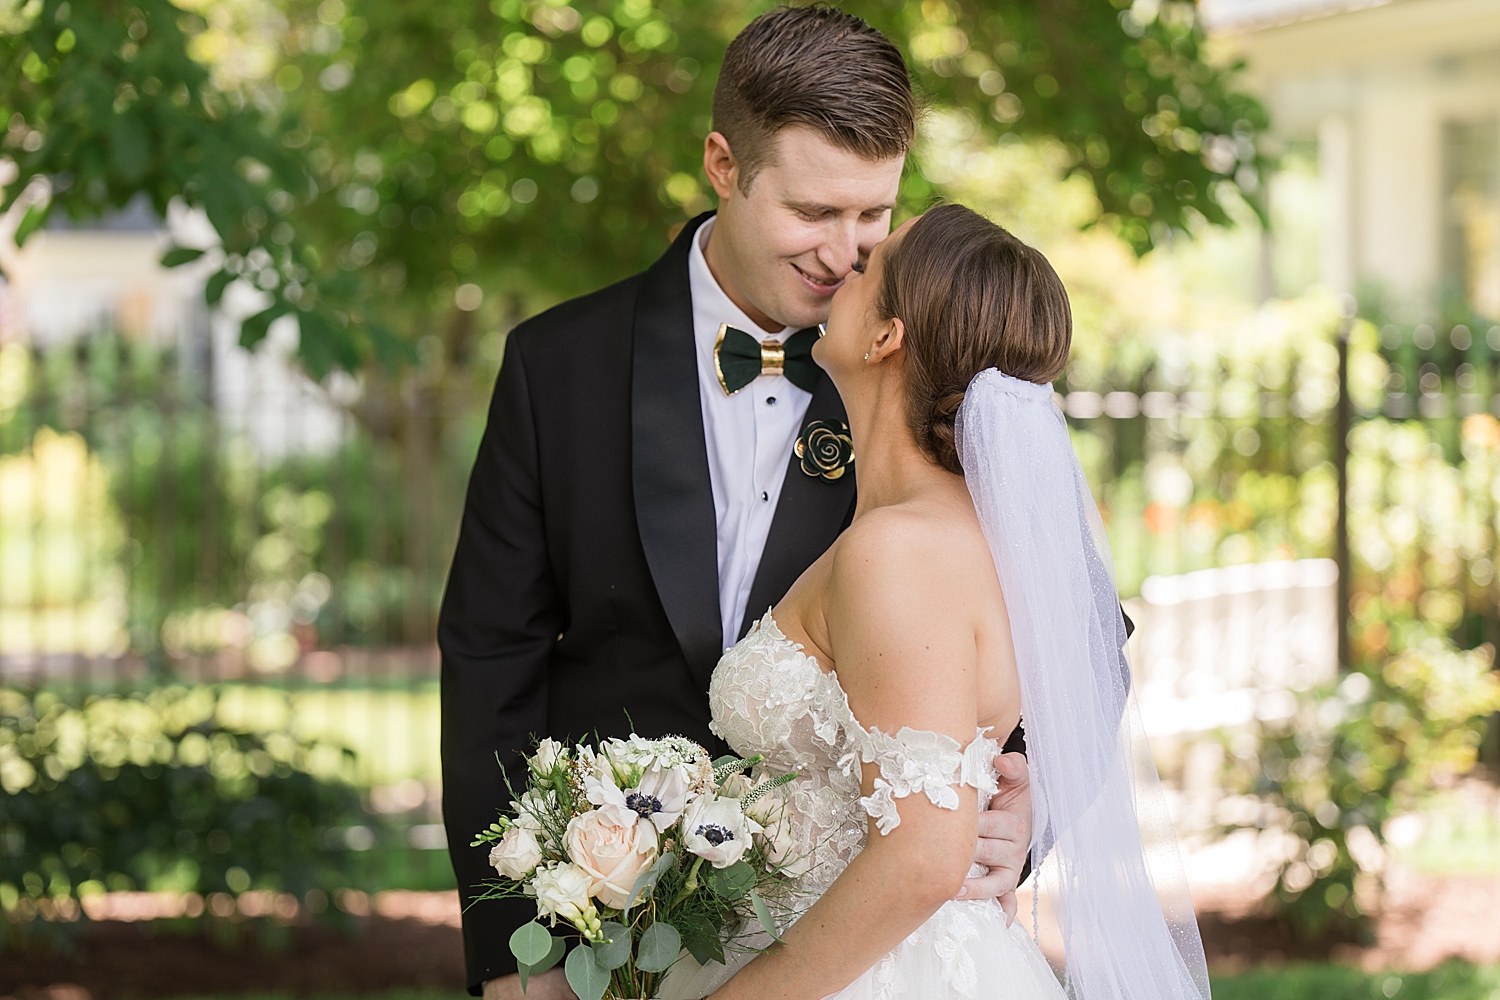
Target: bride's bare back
(907,608)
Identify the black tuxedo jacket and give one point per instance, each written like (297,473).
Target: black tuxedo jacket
(584,597)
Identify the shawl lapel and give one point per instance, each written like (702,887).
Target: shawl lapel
(674,503)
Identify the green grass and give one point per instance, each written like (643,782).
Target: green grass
(1455,981)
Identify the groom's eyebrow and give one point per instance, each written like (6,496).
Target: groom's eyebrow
(813,209)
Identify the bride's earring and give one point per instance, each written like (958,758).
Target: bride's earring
(867,355)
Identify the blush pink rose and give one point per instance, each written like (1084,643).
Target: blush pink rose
(613,854)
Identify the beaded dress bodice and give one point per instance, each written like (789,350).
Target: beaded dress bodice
(769,697)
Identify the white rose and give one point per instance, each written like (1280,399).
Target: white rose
(717,830)
(533,805)
(562,890)
(793,858)
(735,786)
(548,754)
(517,854)
(768,809)
(611,853)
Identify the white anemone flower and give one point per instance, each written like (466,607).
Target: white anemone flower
(660,797)
(717,830)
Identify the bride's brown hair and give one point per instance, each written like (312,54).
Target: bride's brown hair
(971,297)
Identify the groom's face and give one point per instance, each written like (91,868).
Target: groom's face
(811,212)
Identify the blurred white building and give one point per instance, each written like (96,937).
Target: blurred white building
(72,281)
(1402,99)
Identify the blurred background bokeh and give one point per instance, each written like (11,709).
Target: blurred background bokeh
(259,261)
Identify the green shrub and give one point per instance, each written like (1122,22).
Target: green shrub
(155,792)
(1351,756)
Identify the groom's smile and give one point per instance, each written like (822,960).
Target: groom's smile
(820,285)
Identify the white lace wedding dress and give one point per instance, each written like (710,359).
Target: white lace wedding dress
(769,697)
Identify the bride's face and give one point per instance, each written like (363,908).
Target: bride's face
(856,334)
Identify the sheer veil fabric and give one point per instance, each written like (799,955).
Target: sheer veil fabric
(1102,840)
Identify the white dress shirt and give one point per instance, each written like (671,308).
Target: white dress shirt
(750,436)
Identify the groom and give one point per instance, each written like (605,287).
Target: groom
(638,500)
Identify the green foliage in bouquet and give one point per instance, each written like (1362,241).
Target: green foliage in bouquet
(642,848)
(157,793)
(1349,757)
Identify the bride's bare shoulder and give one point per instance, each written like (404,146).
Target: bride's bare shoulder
(919,551)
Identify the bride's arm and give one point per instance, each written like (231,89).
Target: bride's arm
(901,632)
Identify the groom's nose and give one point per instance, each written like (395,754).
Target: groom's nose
(840,251)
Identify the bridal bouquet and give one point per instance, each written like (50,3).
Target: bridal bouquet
(641,848)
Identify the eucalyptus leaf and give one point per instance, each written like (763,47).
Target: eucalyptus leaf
(559,948)
(701,938)
(614,950)
(647,881)
(531,944)
(585,975)
(733,882)
(763,914)
(659,947)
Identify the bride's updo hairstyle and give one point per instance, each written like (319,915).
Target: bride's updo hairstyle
(971,297)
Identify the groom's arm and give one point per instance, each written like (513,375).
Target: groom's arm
(500,618)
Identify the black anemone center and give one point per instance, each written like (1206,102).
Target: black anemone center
(643,804)
(714,834)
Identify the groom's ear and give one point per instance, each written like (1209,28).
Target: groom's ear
(719,164)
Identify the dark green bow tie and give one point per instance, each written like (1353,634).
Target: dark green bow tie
(739,358)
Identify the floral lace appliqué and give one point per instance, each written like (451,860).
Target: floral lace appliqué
(769,697)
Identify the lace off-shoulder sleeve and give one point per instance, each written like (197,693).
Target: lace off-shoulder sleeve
(920,761)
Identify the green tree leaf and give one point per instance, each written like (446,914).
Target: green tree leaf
(177,256)
(254,329)
(216,285)
(130,147)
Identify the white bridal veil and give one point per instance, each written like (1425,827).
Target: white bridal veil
(1102,840)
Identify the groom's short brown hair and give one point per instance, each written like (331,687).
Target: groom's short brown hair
(819,68)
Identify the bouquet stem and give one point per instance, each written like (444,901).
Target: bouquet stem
(691,885)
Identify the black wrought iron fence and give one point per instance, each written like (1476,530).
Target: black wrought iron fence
(150,531)
(157,521)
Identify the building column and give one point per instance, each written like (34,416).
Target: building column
(1336,173)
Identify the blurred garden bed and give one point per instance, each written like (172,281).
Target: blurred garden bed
(1434,938)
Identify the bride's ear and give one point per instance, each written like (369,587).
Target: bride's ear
(888,341)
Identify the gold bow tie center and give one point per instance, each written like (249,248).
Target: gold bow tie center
(772,357)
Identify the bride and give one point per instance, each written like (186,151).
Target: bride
(971,588)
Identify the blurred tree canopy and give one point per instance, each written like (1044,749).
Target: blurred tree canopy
(393,163)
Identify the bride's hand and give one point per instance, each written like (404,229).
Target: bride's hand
(1004,836)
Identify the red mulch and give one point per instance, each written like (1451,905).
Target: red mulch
(130,960)
(1426,920)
